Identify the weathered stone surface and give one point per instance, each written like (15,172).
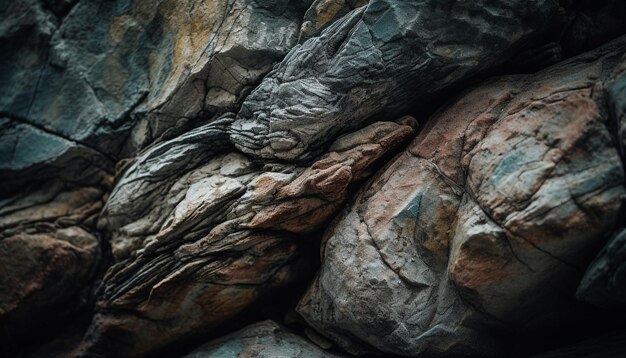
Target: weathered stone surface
(485,222)
(87,78)
(604,283)
(263,339)
(49,254)
(201,248)
(616,93)
(378,59)
(590,24)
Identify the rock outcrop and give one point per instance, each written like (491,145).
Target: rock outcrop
(114,77)
(226,232)
(167,168)
(378,60)
(263,339)
(485,222)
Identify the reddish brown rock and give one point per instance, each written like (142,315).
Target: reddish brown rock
(485,222)
(224,234)
(49,255)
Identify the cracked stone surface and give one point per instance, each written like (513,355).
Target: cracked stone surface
(219,235)
(263,339)
(115,77)
(485,222)
(168,168)
(382,58)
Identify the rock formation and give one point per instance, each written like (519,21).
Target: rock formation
(482,223)
(170,170)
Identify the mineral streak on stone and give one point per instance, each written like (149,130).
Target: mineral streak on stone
(109,73)
(485,222)
(216,234)
(263,339)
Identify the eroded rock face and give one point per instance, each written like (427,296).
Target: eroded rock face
(263,339)
(227,231)
(114,77)
(486,221)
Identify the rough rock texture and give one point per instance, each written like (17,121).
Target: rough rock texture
(49,255)
(168,167)
(263,339)
(485,222)
(604,283)
(378,59)
(228,230)
(85,78)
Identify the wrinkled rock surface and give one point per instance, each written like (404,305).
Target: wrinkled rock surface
(378,60)
(227,231)
(263,339)
(485,222)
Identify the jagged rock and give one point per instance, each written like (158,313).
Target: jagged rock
(484,223)
(378,60)
(228,229)
(263,339)
(322,13)
(49,256)
(86,78)
(604,283)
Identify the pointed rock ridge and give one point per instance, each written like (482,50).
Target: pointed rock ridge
(484,223)
(220,232)
(263,339)
(115,77)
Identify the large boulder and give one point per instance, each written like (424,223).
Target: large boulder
(485,222)
(228,231)
(265,339)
